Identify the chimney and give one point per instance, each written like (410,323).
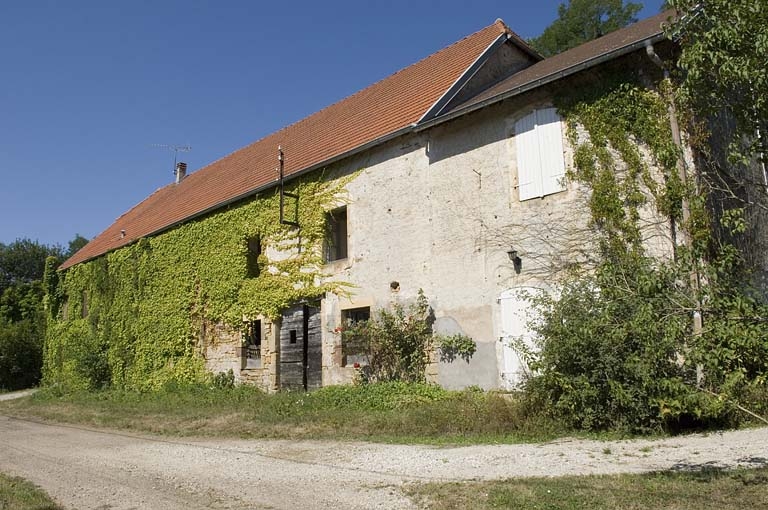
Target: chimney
(181,172)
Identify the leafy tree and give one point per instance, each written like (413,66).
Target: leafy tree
(23,261)
(76,244)
(580,21)
(724,46)
(27,272)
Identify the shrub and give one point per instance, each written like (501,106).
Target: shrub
(397,344)
(609,350)
(21,354)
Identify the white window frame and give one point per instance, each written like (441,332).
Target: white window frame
(540,159)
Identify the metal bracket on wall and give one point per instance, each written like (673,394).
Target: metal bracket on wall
(283,194)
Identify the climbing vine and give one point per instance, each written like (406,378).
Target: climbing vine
(133,317)
(619,349)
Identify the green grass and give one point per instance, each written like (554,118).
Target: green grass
(392,412)
(709,489)
(19,494)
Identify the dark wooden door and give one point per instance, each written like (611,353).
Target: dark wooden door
(300,348)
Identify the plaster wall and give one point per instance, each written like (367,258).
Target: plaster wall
(439,210)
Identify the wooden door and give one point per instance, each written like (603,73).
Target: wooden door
(301,348)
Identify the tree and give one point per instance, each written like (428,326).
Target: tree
(724,46)
(583,20)
(76,244)
(24,264)
(23,261)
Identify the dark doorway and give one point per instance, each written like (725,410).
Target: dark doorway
(301,351)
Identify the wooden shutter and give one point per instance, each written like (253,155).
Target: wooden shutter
(528,161)
(550,138)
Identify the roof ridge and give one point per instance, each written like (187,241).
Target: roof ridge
(498,23)
(395,102)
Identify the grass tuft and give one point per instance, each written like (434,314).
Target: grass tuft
(19,494)
(704,490)
(388,412)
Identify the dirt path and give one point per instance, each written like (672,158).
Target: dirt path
(17,394)
(88,469)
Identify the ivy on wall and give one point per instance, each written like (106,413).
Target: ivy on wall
(620,348)
(610,126)
(134,317)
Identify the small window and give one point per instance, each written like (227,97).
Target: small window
(253,343)
(355,315)
(354,351)
(540,161)
(253,245)
(336,235)
(84,309)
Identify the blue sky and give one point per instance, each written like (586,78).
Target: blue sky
(87,87)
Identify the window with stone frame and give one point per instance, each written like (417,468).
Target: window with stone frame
(353,353)
(253,251)
(336,234)
(252,344)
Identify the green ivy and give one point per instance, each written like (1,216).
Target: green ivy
(148,302)
(621,119)
(618,346)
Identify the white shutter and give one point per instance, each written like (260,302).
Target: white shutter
(528,161)
(550,138)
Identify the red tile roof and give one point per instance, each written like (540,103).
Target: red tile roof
(382,109)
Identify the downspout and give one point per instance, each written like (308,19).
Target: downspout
(683,175)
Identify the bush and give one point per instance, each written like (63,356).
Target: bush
(398,344)
(21,353)
(395,343)
(609,351)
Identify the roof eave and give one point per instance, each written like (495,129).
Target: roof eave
(253,192)
(462,80)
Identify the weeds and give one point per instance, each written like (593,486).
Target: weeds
(389,412)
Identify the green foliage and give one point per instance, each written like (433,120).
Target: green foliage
(393,412)
(607,125)
(580,21)
(23,261)
(224,379)
(142,308)
(456,346)
(397,344)
(23,264)
(19,494)
(21,346)
(724,44)
(609,359)
(75,245)
(617,347)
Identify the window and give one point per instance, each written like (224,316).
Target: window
(355,315)
(354,352)
(253,245)
(252,340)
(84,309)
(336,235)
(540,162)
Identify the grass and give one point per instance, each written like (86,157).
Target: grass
(391,412)
(709,489)
(19,494)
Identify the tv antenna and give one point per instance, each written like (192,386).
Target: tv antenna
(175,148)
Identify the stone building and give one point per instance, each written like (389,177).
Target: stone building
(454,177)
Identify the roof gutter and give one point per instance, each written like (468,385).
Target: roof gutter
(641,44)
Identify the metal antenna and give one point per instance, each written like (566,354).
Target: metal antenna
(175,148)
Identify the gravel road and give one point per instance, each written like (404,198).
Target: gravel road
(105,470)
